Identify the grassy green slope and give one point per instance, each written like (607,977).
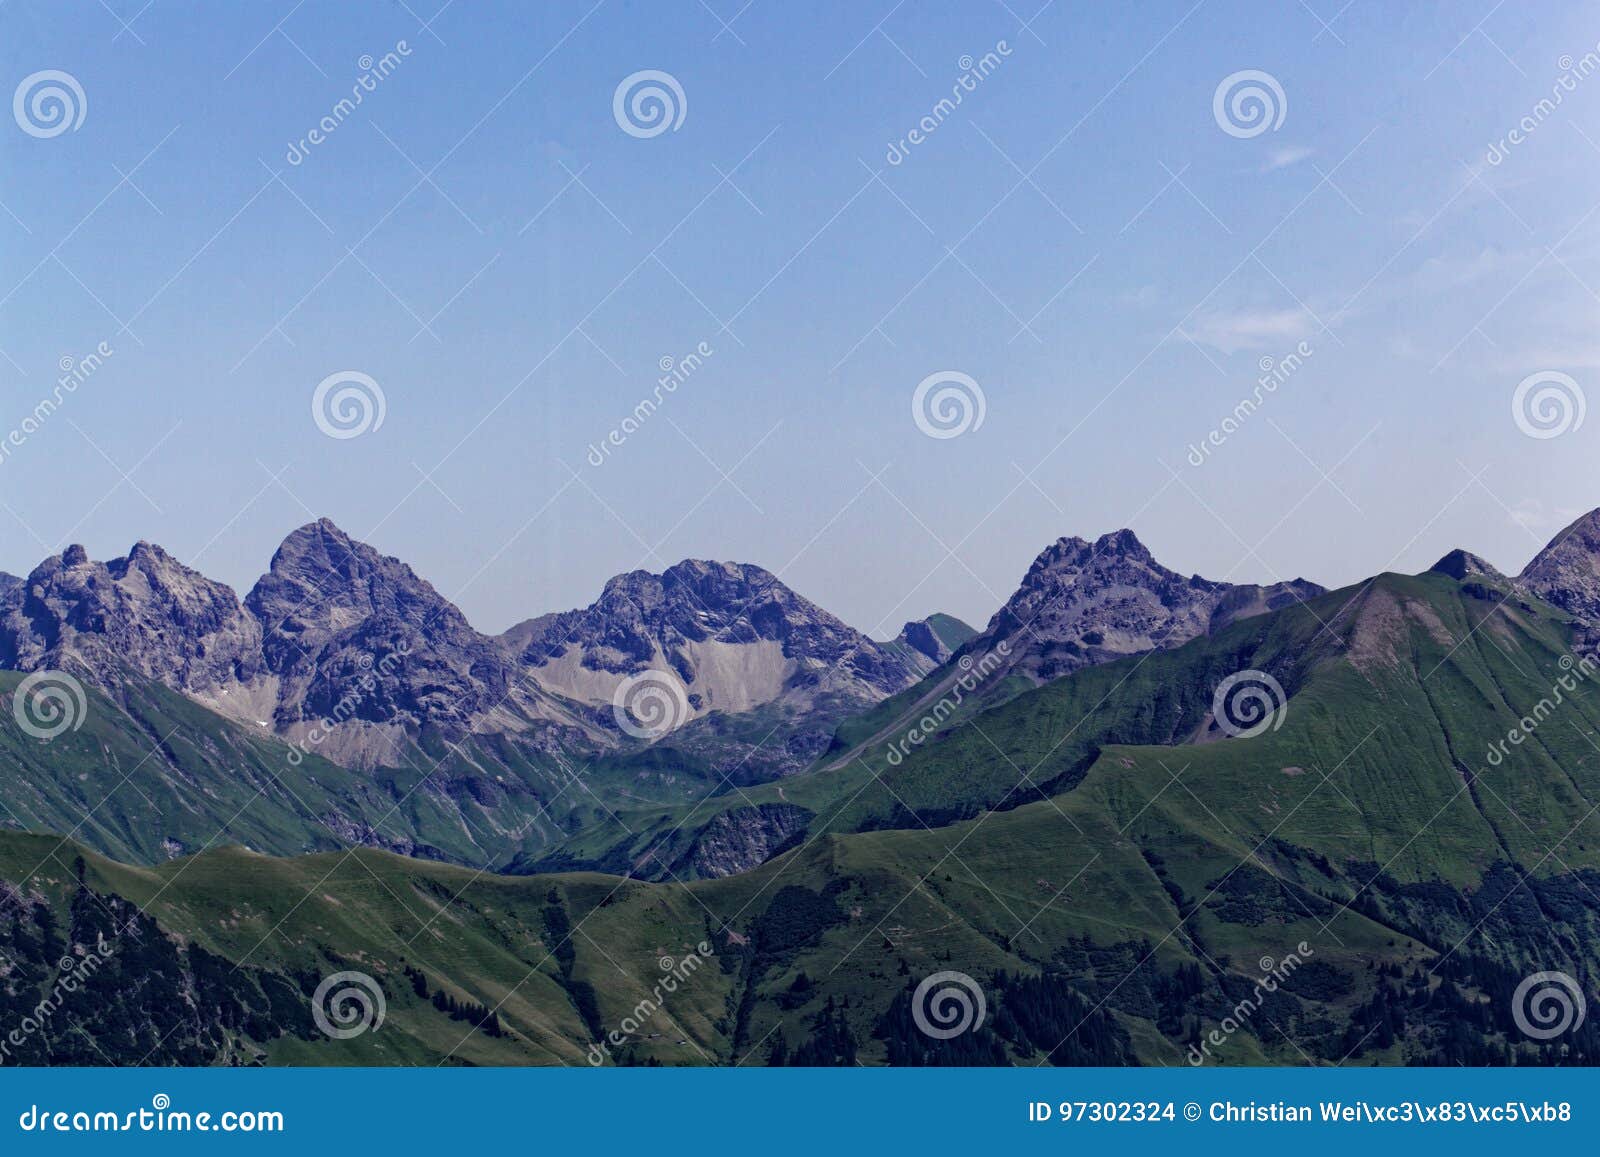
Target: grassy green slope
(1397,688)
(1118,913)
(159,775)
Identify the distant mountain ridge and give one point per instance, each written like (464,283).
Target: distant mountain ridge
(936,637)
(335,629)
(1083,603)
(336,613)
(1458,564)
(736,637)
(146,612)
(1566,572)
(1393,821)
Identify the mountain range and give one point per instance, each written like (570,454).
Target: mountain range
(331,610)
(1064,806)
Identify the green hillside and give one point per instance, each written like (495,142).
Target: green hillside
(1115,874)
(156,775)
(1402,684)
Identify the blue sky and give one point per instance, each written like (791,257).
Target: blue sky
(1080,237)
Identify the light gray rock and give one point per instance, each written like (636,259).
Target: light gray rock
(734,636)
(147,613)
(1566,572)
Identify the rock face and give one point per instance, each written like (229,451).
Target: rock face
(10,585)
(744,838)
(936,637)
(1084,603)
(353,634)
(1566,572)
(146,612)
(731,633)
(1458,564)
(337,631)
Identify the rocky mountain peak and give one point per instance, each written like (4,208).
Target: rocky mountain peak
(936,637)
(733,634)
(1124,543)
(322,580)
(1566,572)
(1458,564)
(146,612)
(335,612)
(1084,603)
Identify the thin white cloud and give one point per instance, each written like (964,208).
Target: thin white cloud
(1283,158)
(1249,329)
(1533,514)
